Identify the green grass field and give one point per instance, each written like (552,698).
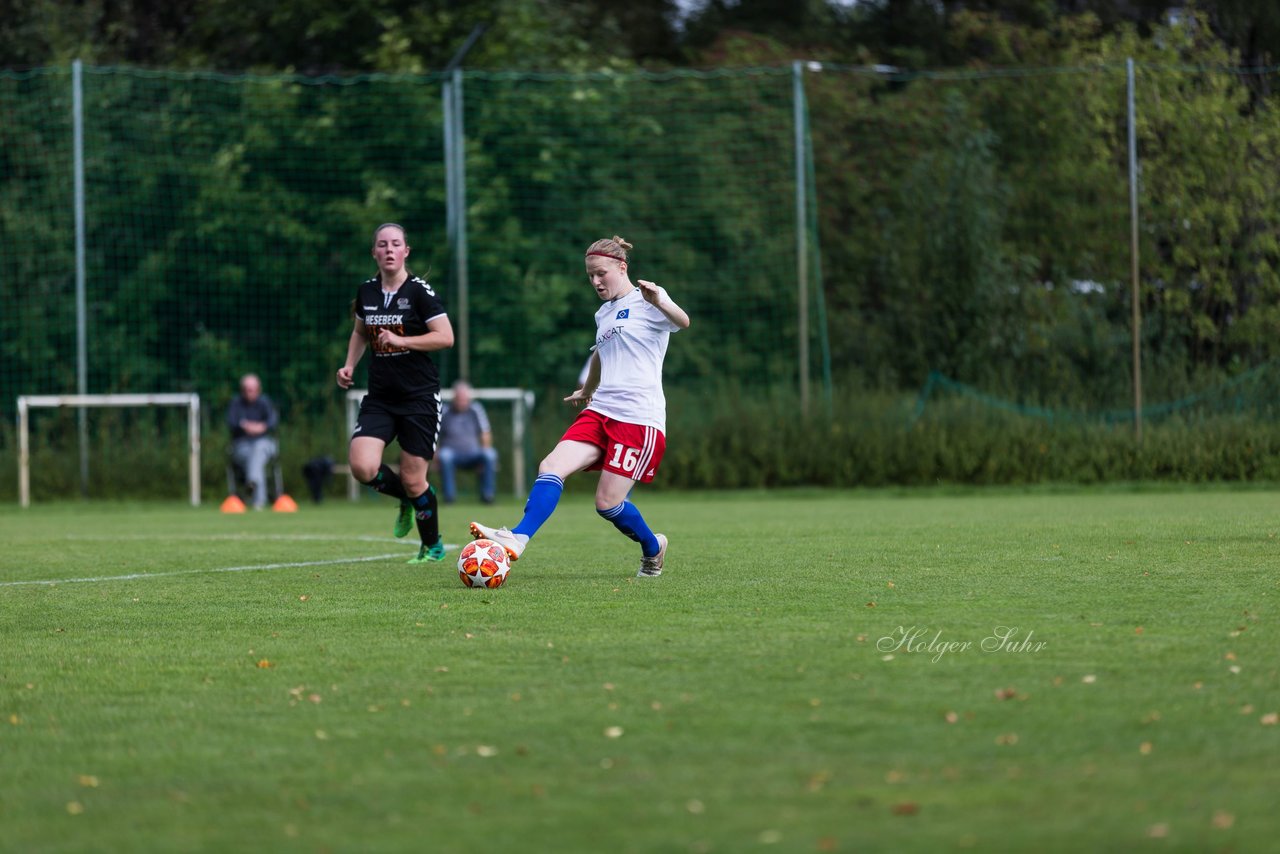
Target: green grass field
(809,675)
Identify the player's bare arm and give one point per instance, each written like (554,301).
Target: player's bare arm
(356,346)
(583,395)
(667,306)
(439,336)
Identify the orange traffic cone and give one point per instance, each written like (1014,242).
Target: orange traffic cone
(285,504)
(233,504)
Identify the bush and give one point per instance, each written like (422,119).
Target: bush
(717,440)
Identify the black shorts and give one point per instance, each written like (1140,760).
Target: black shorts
(416,426)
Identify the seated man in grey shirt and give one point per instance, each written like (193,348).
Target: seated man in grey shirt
(466,442)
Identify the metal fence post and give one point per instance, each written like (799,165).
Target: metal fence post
(82,345)
(802,250)
(1133,255)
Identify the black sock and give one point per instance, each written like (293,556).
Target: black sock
(426,511)
(388,483)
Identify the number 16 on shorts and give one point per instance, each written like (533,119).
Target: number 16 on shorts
(630,450)
(633,450)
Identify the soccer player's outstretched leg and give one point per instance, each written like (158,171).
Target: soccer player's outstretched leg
(620,432)
(399,317)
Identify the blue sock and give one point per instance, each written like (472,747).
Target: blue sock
(542,502)
(627,519)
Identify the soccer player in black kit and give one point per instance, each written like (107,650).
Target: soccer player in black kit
(401,318)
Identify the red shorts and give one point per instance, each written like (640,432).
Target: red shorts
(631,450)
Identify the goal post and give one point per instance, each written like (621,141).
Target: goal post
(521,401)
(52,401)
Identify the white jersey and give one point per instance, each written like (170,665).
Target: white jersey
(631,342)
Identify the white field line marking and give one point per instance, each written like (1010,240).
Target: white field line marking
(249,568)
(109,538)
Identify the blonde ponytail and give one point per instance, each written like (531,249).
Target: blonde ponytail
(613,247)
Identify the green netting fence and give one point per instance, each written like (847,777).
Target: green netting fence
(849,227)
(227,222)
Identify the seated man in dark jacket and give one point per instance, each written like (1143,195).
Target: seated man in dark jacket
(252,418)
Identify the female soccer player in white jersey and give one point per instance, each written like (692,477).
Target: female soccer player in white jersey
(402,318)
(620,433)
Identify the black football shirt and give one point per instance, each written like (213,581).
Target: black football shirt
(398,376)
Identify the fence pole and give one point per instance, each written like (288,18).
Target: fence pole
(1133,256)
(460,231)
(82,347)
(450,205)
(802,252)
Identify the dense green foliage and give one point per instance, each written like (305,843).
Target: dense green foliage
(972,222)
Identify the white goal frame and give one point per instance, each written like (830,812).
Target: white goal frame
(521,401)
(50,401)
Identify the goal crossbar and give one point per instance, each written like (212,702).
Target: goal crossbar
(521,401)
(52,401)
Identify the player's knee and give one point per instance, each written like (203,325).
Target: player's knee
(606,502)
(363,470)
(413,486)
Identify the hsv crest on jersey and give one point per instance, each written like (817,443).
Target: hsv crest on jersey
(623,315)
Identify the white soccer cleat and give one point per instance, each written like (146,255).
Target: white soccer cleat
(651,567)
(509,541)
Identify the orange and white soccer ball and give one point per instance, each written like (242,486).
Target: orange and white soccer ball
(483,563)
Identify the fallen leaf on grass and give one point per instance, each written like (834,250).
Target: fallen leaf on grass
(613,732)
(1145,748)
(951,717)
(1246,709)
(1089,679)
(1158,831)
(1006,693)
(88,781)
(696,807)
(1223,820)
(487,751)
(74,808)
(263,664)
(818,781)
(1008,738)
(1270,719)
(906,808)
